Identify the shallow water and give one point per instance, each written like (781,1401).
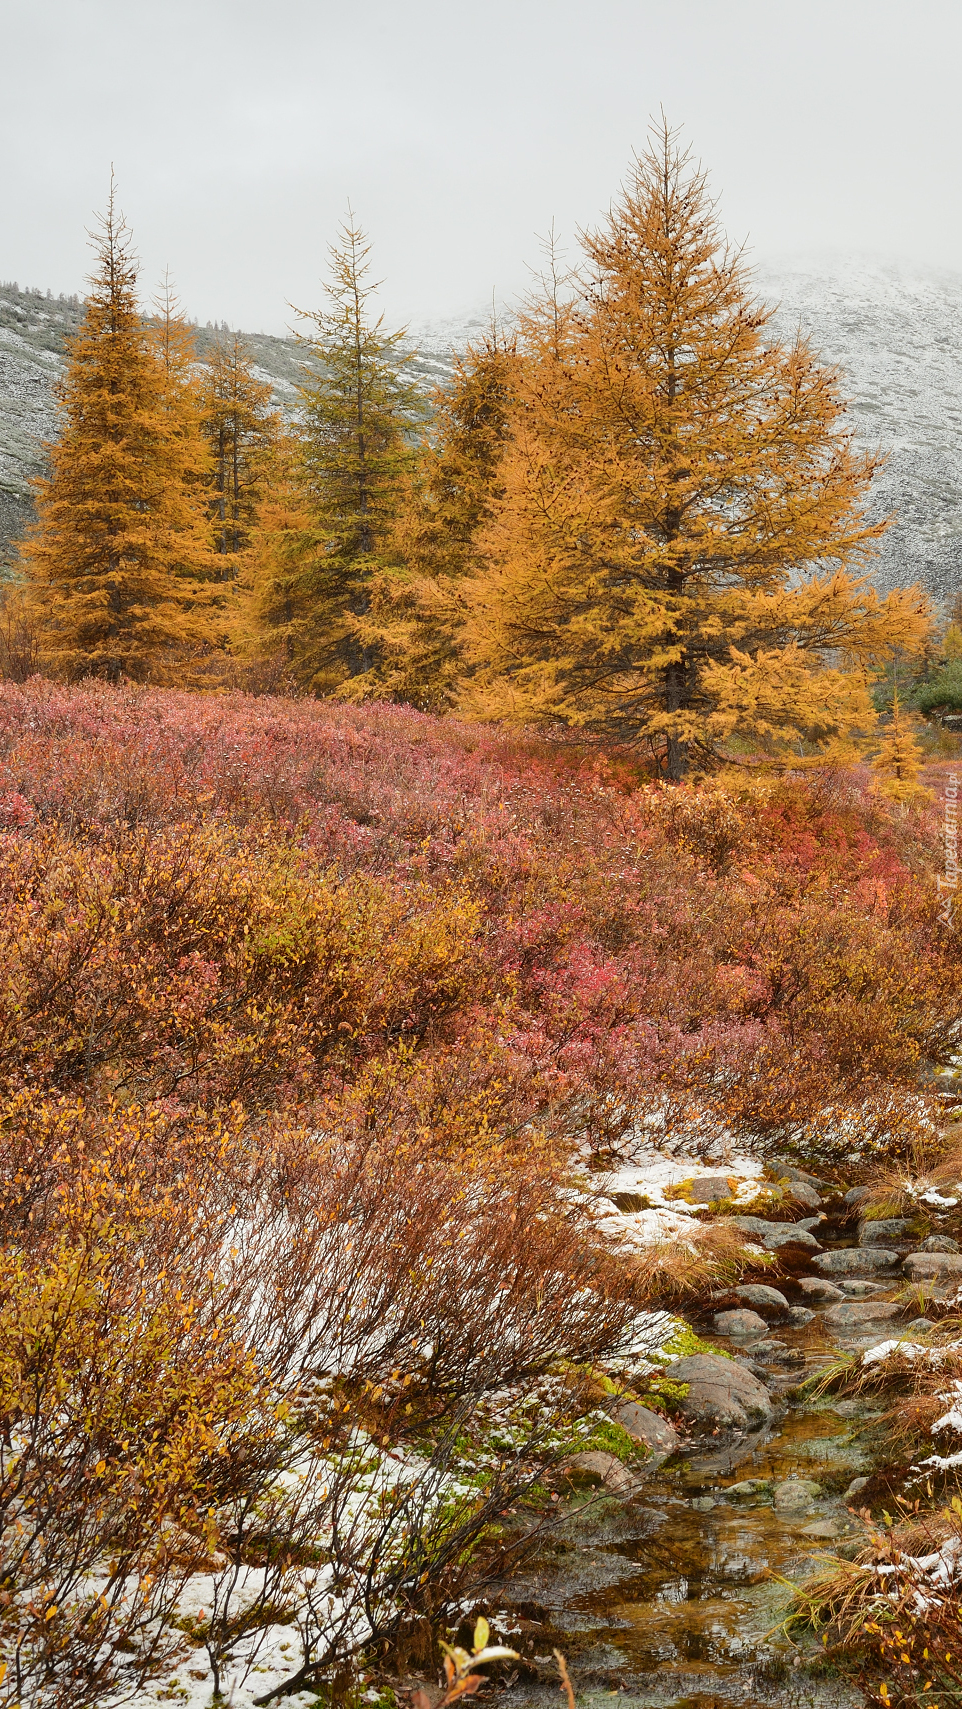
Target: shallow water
(669,1605)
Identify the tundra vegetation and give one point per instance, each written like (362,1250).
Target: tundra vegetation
(401,811)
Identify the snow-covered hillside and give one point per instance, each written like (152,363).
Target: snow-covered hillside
(896,334)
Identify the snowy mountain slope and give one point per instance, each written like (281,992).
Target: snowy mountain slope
(898,338)
(897,335)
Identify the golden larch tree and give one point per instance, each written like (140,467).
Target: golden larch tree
(899,759)
(242,428)
(117,560)
(446,502)
(678,556)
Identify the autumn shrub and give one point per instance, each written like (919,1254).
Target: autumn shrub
(254,1350)
(239,897)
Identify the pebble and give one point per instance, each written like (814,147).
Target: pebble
(763,1299)
(740,1324)
(799,1315)
(707,1189)
(854,1312)
(932,1266)
(939,1243)
(814,1288)
(750,1486)
(855,1488)
(704,1503)
(796,1495)
(860,1290)
(886,1228)
(822,1528)
(803,1194)
(648,1428)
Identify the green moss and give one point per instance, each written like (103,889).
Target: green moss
(684,1342)
(608,1438)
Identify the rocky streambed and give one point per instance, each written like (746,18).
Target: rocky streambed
(666,1582)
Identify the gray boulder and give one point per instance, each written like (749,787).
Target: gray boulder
(796,1495)
(707,1188)
(788,1172)
(932,1266)
(768,1302)
(859,1290)
(886,1228)
(647,1428)
(853,1313)
(606,1469)
(814,1288)
(775,1234)
(855,1195)
(721,1392)
(939,1243)
(740,1324)
(856,1261)
(803,1194)
(799,1315)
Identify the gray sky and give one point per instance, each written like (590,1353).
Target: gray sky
(239,128)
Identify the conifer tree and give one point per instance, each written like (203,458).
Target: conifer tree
(449,498)
(317,595)
(899,759)
(677,556)
(242,429)
(115,564)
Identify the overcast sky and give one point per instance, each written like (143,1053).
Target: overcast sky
(458,128)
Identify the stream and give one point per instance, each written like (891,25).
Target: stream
(675,1598)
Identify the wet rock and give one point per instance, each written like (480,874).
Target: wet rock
(703,1503)
(799,1315)
(827,1528)
(932,1266)
(856,1261)
(740,1324)
(768,1302)
(607,1469)
(855,1195)
(707,1188)
(796,1495)
(773,1349)
(886,1228)
(939,1243)
(649,1428)
(721,1392)
(790,1234)
(855,1488)
(750,1487)
(814,1288)
(775,1234)
(803,1194)
(788,1172)
(853,1313)
(810,1223)
(860,1290)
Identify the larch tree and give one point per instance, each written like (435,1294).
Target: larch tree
(899,759)
(677,559)
(117,562)
(448,499)
(242,429)
(316,595)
